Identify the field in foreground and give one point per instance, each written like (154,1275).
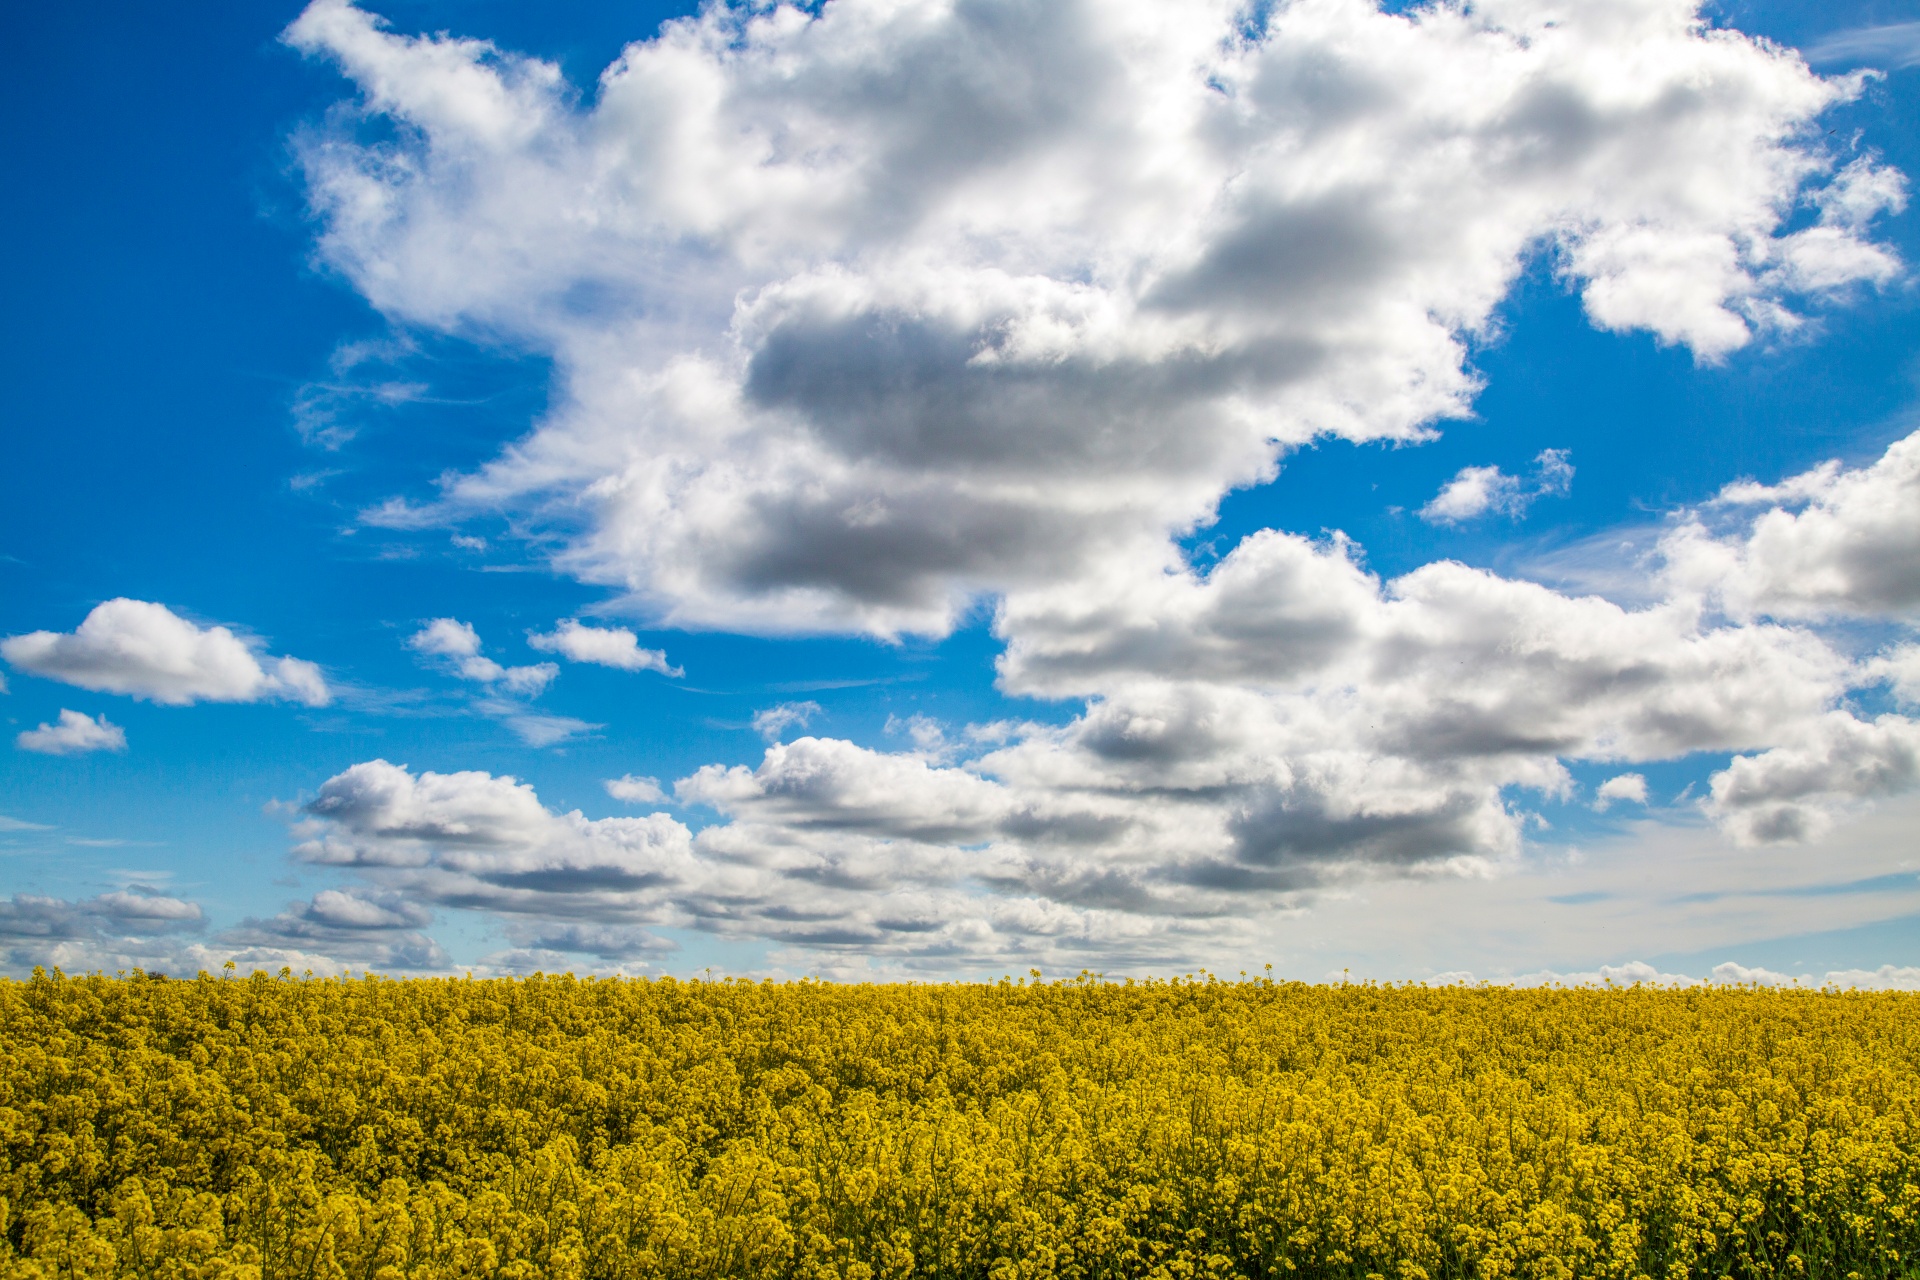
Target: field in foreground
(553,1127)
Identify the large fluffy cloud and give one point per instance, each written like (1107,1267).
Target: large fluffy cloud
(1256,735)
(146,650)
(135,926)
(1366,721)
(861,311)
(839,875)
(141,927)
(1831,543)
(1790,792)
(360,927)
(833,849)
(472,839)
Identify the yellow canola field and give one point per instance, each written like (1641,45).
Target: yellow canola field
(558,1127)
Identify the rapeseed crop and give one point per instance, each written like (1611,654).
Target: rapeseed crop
(266,1128)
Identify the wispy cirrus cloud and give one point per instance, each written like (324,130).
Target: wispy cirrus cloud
(1891,45)
(771,722)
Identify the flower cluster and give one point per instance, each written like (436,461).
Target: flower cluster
(261,1128)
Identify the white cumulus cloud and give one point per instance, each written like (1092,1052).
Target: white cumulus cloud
(1728,973)
(819,857)
(862,312)
(1475,491)
(614,647)
(1899,668)
(446,637)
(146,650)
(1255,736)
(635,790)
(1833,542)
(842,857)
(1793,791)
(459,643)
(135,926)
(358,926)
(1630,787)
(73,734)
(1888,977)
(472,839)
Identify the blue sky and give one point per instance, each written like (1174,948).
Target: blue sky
(231,392)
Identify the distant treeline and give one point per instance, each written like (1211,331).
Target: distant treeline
(262,1128)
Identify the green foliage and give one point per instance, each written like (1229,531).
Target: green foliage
(260,1128)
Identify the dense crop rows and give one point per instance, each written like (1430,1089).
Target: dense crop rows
(554,1127)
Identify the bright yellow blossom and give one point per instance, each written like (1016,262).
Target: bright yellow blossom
(252,1129)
